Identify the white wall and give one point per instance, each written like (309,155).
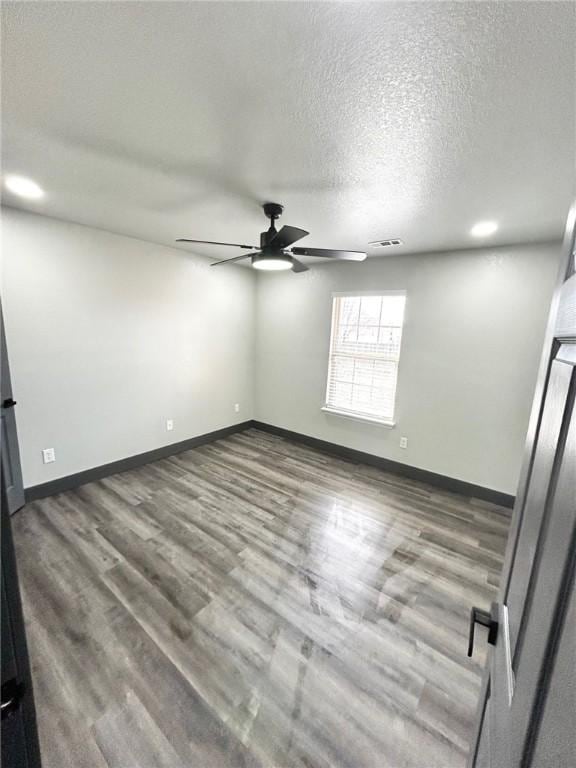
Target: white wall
(109,336)
(473,333)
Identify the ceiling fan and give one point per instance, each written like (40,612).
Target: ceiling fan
(274,251)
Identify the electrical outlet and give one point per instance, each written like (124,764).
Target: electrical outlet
(237,407)
(403,442)
(169,425)
(48,455)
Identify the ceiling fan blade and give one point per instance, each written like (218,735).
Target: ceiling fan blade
(235,258)
(297,266)
(213,242)
(286,236)
(327,253)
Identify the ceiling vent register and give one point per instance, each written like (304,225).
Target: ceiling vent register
(386,243)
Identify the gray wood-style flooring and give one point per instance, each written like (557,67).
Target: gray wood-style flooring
(255,602)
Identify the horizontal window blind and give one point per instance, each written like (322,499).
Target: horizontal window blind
(364,355)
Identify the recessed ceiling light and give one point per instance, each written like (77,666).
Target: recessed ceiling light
(484,229)
(23,187)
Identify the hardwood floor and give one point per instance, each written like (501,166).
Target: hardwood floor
(254,602)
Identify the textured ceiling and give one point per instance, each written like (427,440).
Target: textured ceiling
(366,120)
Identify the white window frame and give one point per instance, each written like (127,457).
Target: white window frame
(388,423)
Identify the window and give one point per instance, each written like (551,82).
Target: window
(364,355)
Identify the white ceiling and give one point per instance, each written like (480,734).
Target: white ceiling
(366,120)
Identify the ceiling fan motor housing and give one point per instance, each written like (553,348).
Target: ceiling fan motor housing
(273,211)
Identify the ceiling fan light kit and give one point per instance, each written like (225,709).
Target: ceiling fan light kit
(274,253)
(272,263)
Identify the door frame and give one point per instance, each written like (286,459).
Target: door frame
(29,757)
(13,485)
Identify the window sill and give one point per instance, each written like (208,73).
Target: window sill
(358,417)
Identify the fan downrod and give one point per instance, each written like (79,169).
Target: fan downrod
(273,211)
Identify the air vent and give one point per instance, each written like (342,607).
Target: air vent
(385,243)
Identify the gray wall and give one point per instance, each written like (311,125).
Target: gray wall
(109,336)
(473,333)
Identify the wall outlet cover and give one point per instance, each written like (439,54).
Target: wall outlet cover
(237,407)
(403,442)
(48,455)
(169,424)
